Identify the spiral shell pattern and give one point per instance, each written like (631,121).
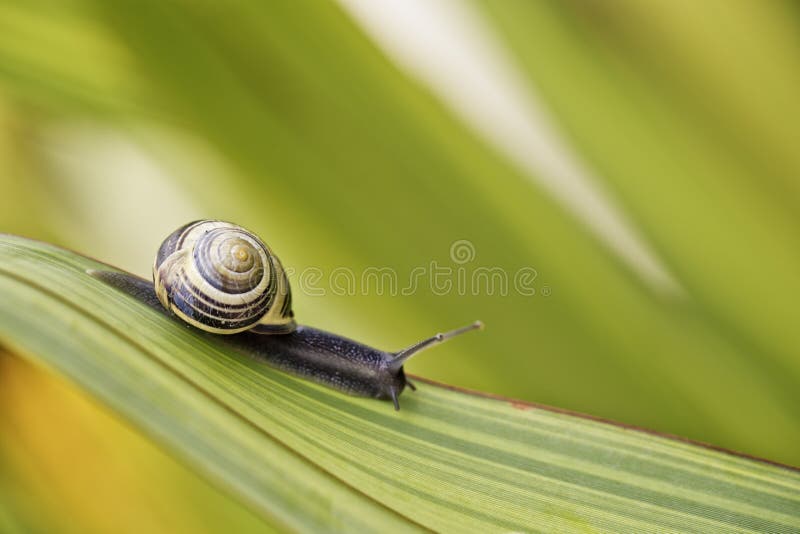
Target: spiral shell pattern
(222,278)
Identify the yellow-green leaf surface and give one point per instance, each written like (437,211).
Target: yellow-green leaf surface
(310,459)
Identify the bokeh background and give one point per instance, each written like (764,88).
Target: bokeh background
(642,157)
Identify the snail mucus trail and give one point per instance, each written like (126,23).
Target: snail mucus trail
(222,279)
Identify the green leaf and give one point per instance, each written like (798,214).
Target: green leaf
(313,459)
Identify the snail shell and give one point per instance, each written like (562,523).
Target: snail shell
(221,278)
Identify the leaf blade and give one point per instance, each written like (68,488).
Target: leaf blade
(313,458)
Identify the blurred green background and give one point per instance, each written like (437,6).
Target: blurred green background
(642,157)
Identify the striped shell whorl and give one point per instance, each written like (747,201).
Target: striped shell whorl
(223,279)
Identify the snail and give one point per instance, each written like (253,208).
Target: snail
(220,278)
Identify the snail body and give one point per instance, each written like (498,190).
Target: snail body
(334,361)
(222,279)
(342,363)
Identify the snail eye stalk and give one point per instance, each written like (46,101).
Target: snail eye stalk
(401,357)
